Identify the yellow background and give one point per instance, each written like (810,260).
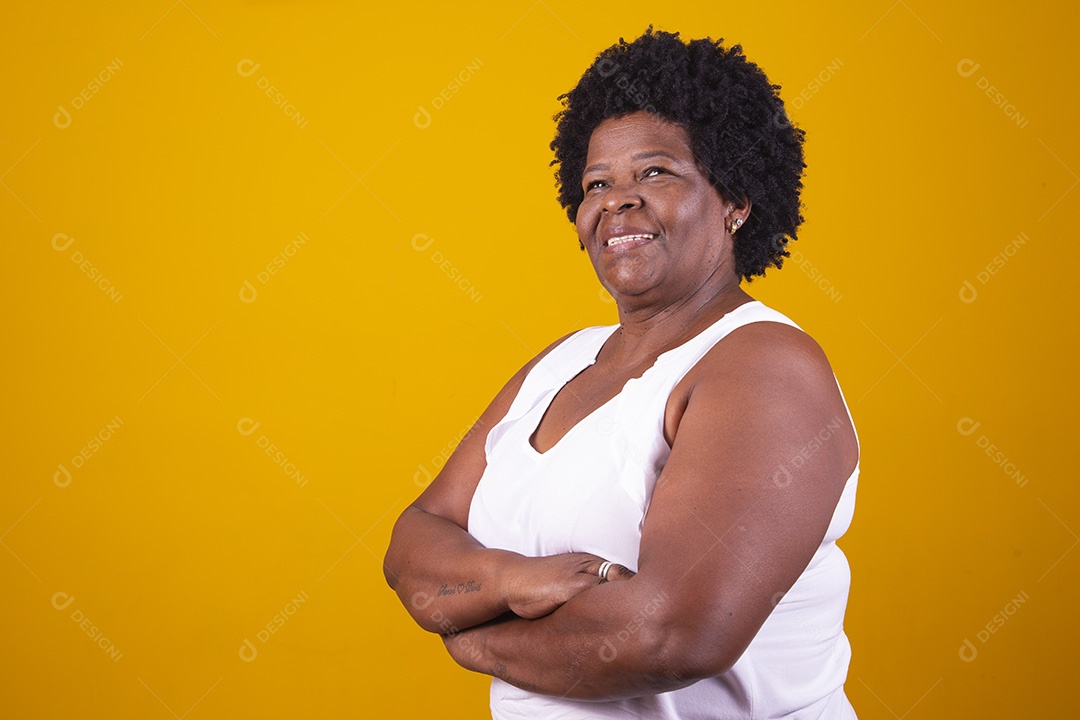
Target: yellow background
(363,359)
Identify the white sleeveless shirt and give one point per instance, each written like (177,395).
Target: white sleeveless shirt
(590,493)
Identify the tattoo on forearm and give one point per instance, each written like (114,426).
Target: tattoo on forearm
(500,671)
(459,589)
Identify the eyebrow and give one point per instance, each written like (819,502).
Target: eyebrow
(640,156)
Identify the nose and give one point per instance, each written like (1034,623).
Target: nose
(620,198)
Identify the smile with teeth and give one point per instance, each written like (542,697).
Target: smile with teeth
(628,238)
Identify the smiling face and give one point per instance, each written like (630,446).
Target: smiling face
(653,224)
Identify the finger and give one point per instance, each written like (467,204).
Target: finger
(607,571)
(593,567)
(589,563)
(619,572)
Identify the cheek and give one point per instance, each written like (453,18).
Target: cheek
(702,224)
(706,215)
(585,220)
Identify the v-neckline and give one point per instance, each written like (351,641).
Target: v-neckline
(555,391)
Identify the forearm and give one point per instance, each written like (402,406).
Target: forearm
(446,580)
(607,643)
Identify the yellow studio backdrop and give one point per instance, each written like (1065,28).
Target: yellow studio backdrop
(265,262)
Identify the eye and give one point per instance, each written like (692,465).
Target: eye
(654,171)
(594,184)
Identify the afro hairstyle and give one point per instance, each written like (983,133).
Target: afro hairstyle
(738,128)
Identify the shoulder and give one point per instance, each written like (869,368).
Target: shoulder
(768,374)
(760,356)
(766,347)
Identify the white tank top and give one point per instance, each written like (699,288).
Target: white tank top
(590,492)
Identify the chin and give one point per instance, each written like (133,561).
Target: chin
(623,291)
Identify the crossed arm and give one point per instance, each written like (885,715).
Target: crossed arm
(716,550)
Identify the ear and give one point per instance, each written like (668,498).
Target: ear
(742,210)
(737,215)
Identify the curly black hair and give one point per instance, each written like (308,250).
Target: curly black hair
(739,131)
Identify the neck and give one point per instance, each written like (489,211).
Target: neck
(646,330)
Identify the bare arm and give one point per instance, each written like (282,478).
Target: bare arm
(716,549)
(448,581)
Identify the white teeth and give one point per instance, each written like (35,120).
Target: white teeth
(627,238)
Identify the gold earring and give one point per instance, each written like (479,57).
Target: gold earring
(735,225)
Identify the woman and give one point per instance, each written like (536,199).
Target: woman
(643,521)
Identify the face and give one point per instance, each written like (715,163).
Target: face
(653,224)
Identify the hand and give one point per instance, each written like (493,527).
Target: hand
(538,586)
